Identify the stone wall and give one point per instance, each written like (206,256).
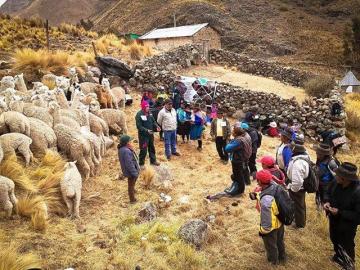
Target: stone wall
(314,114)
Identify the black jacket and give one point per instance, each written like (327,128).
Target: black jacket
(347,200)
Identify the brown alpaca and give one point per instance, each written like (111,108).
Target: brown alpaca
(104,97)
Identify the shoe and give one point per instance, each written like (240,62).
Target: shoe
(155,163)
(177,154)
(168,158)
(133,202)
(199,149)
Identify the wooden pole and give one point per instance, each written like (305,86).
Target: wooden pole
(174,19)
(47,35)
(94,47)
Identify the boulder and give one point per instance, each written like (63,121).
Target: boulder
(148,212)
(195,232)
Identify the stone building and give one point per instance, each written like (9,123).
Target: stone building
(168,38)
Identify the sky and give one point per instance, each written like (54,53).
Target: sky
(2,2)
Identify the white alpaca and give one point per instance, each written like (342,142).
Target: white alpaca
(7,82)
(20,83)
(7,195)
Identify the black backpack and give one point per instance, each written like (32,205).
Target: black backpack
(284,204)
(311,183)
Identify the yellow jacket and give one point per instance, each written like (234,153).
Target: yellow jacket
(268,211)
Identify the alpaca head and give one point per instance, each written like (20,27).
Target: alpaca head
(105,82)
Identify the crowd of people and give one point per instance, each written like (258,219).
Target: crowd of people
(282,183)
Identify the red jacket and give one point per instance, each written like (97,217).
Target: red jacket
(273,132)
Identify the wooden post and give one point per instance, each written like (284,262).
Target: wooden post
(174,19)
(47,35)
(94,47)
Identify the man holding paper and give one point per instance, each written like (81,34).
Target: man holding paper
(220,132)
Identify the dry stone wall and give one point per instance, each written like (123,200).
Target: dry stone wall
(314,114)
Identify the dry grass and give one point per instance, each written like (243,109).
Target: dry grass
(352,104)
(10,259)
(76,31)
(147,177)
(319,86)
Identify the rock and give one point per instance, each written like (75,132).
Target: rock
(163,174)
(194,232)
(239,114)
(132,82)
(148,212)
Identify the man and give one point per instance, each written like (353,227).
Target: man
(167,119)
(220,132)
(129,164)
(325,167)
(268,163)
(240,152)
(297,171)
(271,228)
(256,141)
(284,153)
(342,203)
(146,125)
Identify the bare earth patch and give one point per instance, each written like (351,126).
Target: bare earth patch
(247,81)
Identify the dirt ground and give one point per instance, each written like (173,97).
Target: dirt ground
(107,237)
(247,81)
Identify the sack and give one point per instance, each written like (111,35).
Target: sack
(311,183)
(284,204)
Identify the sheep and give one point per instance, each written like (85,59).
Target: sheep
(75,147)
(20,83)
(7,82)
(88,87)
(7,195)
(43,137)
(104,97)
(71,186)
(14,122)
(115,119)
(17,142)
(40,113)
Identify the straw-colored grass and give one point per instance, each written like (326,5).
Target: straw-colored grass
(10,259)
(147,176)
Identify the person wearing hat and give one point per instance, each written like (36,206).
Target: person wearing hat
(220,131)
(273,130)
(283,152)
(198,121)
(146,126)
(184,119)
(167,119)
(297,171)
(268,163)
(148,96)
(325,167)
(342,204)
(271,229)
(129,164)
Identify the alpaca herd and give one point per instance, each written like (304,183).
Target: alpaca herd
(73,119)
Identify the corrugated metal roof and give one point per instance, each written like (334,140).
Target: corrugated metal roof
(180,31)
(349,79)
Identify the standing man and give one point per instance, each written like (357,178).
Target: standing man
(297,171)
(284,153)
(342,203)
(271,228)
(129,164)
(167,119)
(146,125)
(220,132)
(256,143)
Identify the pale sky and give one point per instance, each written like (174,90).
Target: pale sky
(2,2)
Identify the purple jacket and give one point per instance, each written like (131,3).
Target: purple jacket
(128,162)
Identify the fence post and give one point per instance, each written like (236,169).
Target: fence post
(94,47)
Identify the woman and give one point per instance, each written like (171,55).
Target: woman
(181,117)
(197,127)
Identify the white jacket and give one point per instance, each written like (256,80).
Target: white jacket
(297,171)
(167,119)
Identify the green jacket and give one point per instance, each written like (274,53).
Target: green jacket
(144,126)
(226,129)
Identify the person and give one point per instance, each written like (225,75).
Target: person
(146,125)
(342,204)
(268,163)
(329,137)
(220,132)
(197,127)
(297,171)
(162,94)
(214,110)
(283,152)
(148,97)
(129,164)
(255,141)
(273,130)
(325,167)
(251,115)
(271,229)
(159,105)
(184,119)
(167,119)
(176,98)
(240,151)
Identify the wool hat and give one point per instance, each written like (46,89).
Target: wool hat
(264,177)
(267,160)
(323,149)
(273,125)
(144,104)
(347,171)
(287,133)
(125,139)
(244,125)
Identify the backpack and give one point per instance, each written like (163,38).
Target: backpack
(284,204)
(311,183)
(247,150)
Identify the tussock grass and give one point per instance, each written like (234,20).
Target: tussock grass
(148,176)
(352,104)
(10,259)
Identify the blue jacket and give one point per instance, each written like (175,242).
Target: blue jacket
(128,162)
(287,155)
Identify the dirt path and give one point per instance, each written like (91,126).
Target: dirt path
(113,240)
(255,83)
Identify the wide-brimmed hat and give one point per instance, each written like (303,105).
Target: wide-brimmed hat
(297,148)
(286,133)
(347,171)
(323,149)
(273,125)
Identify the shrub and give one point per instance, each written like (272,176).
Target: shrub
(319,86)
(135,51)
(10,258)
(353,120)
(352,105)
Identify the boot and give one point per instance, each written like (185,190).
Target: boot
(131,189)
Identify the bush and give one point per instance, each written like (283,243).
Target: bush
(319,86)
(353,120)
(135,51)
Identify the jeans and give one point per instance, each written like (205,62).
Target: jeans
(170,142)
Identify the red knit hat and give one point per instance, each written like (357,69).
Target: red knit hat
(144,104)
(267,160)
(264,177)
